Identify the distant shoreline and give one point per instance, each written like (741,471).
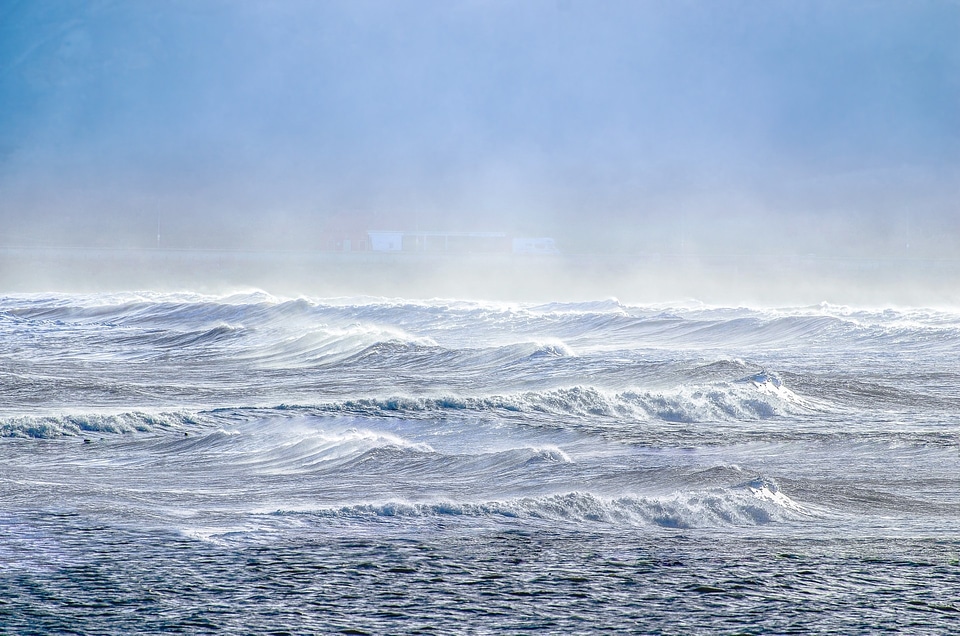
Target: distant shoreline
(361,254)
(648,277)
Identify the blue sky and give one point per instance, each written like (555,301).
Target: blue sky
(588,120)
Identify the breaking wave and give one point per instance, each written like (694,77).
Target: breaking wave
(738,401)
(758,502)
(50,426)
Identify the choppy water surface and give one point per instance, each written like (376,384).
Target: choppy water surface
(252,464)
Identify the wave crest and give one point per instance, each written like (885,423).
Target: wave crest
(50,426)
(736,401)
(738,506)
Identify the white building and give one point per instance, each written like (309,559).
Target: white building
(385,241)
(439,241)
(543,245)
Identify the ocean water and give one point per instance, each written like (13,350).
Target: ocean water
(182,463)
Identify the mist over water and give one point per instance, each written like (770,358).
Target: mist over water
(479,317)
(698,129)
(756,281)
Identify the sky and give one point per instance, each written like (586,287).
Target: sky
(686,126)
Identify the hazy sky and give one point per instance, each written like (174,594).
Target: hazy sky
(637,125)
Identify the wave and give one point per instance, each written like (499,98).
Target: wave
(757,502)
(737,401)
(190,320)
(67,425)
(675,364)
(276,448)
(722,403)
(167,340)
(326,344)
(609,305)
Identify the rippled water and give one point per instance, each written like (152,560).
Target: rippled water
(253,464)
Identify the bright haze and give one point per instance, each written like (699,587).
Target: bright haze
(668,128)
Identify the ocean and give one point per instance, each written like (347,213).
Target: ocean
(189,463)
